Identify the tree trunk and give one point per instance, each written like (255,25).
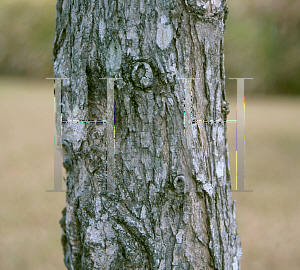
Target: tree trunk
(169,204)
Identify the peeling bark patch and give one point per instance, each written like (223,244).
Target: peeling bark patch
(216,3)
(145,139)
(101,29)
(220,169)
(164,33)
(114,58)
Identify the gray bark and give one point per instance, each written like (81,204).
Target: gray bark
(148,219)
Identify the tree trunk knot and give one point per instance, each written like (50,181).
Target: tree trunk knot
(142,75)
(179,183)
(225,108)
(67,155)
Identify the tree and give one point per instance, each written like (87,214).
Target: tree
(169,204)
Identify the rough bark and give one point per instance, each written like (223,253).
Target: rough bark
(147,221)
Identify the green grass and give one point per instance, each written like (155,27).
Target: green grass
(267,219)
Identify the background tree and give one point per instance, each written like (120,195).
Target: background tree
(170,205)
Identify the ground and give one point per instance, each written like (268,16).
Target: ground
(29,230)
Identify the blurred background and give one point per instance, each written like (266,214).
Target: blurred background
(262,41)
